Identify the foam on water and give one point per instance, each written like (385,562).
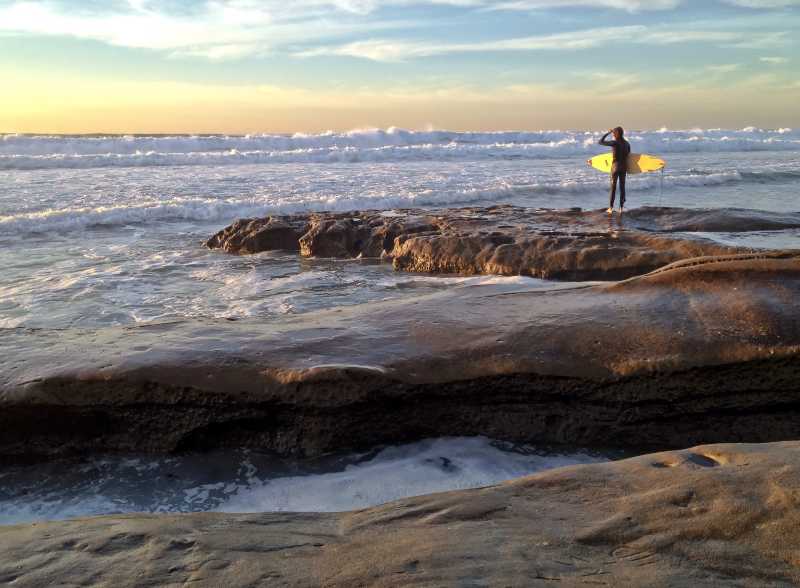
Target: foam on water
(142,211)
(121,280)
(115,245)
(397,472)
(393,144)
(245,481)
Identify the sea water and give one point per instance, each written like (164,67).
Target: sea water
(247,481)
(106,230)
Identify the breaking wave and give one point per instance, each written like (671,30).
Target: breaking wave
(373,145)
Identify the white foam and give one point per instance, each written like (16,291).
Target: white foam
(164,485)
(445,281)
(65,219)
(226,210)
(420,468)
(375,145)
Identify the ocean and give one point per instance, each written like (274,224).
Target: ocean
(249,481)
(100,231)
(106,230)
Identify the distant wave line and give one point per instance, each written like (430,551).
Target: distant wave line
(393,144)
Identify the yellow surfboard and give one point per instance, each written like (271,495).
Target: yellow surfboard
(637,163)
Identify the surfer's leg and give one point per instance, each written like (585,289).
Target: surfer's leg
(613,191)
(622,178)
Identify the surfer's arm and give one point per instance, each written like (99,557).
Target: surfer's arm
(607,143)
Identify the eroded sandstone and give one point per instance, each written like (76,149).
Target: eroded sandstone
(717,515)
(503,239)
(706,350)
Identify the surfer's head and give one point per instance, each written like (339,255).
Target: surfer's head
(619,132)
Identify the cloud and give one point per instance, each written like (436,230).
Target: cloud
(216,28)
(764,3)
(627,5)
(724,68)
(774,60)
(230,29)
(774,40)
(387,50)
(399,50)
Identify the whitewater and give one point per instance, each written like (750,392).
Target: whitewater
(106,230)
(42,152)
(249,481)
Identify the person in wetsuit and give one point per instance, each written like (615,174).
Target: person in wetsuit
(619,167)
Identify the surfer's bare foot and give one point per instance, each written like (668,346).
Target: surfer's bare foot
(610,211)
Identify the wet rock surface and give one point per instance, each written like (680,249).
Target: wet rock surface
(716,515)
(504,239)
(255,235)
(705,350)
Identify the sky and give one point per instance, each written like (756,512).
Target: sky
(250,66)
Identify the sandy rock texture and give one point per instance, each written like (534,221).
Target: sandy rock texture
(503,239)
(704,350)
(691,342)
(717,515)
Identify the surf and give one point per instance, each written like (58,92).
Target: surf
(31,152)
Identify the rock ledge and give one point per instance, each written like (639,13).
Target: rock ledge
(505,240)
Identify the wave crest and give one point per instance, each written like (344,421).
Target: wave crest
(372,145)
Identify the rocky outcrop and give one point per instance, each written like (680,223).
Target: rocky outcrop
(718,515)
(706,350)
(712,220)
(505,240)
(256,235)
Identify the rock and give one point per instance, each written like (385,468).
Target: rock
(256,235)
(575,257)
(717,515)
(344,237)
(724,220)
(706,350)
(506,240)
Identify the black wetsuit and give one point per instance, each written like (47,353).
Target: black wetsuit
(619,169)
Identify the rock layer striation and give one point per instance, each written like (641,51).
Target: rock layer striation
(705,350)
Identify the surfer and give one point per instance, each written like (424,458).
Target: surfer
(619,168)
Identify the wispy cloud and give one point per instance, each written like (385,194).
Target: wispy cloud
(626,5)
(774,60)
(387,50)
(393,50)
(724,68)
(216,29)
(226,29)
(764,3)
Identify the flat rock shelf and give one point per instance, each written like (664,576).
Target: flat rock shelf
(651,336)
(704,350)
(506,240)
(717,515)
